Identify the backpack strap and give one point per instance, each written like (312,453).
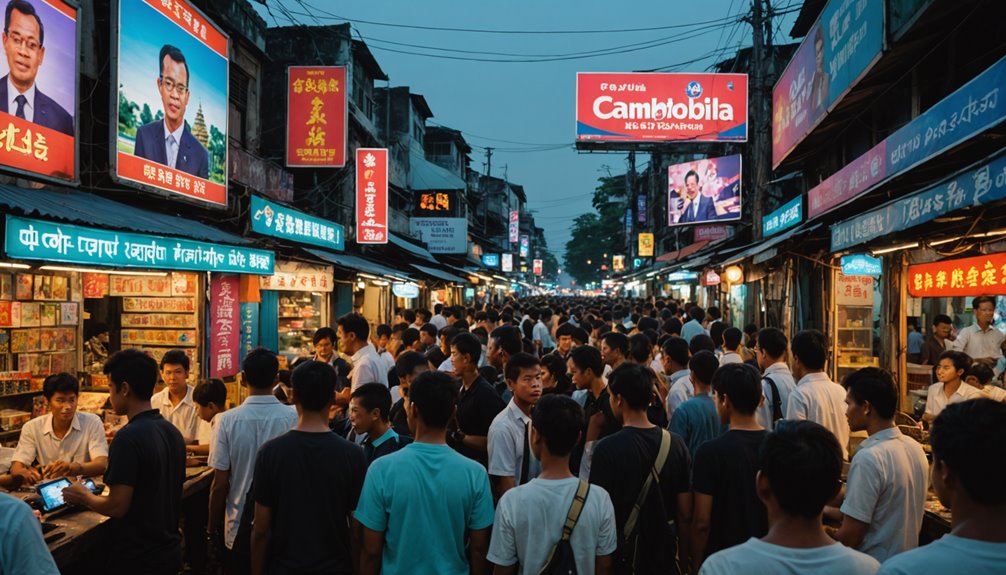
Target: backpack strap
(654,475)
(776,399)
(573,515)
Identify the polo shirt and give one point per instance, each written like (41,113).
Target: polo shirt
(367,368)
(782,377)
(937,400)
(23,551)
(477,407)
(508,436)
(681,390)
(915,341)
(184,416)
(818,399)
(887,486)
(691,329)
(949,554)
(697,421)
(386,444)
(84,442)
(239,435)
(730,357)
(979,343)
(420,486)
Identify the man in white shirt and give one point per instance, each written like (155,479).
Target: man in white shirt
(175,400)
(674,356)
(816,397)
(510,460)
(801,466)
(889,476)
(541,333)
(438,319)
(353,331)
(530,517)
(64,442)
(694,326)
(239,434)
(777,379)
(969,446)
(732,337)
(981,341)
(949,387)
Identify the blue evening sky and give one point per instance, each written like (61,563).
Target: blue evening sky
(525,111)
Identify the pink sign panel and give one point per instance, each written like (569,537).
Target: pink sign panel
(225,317)
(372,196)
(855,178)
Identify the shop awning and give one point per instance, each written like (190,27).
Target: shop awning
(411,248)
(358,264)
(440,274)
(79,207)
(683,252)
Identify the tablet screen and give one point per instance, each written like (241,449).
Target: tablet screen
(52,494)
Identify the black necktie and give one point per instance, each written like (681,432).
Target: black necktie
(21,101)
(525,468)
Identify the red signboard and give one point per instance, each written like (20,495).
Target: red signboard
(637,107)
(225,317)
(316,116)
(709,278)
(852,180)
(980,275)
(536,267)
(372,196)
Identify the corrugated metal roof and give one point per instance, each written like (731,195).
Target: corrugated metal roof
(358,264)
(79,207)
(411,247)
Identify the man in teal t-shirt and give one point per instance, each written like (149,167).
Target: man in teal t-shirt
(696,420)
(419,503)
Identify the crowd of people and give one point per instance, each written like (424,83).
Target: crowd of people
(542,436)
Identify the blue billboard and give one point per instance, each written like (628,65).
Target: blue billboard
(789,215)
(491,260)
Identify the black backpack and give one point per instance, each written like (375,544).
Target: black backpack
(561,560)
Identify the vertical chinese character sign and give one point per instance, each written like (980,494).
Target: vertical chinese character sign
(537,267)
(507,265)
(316,116)
(372,196)
(514,226)
(225,331)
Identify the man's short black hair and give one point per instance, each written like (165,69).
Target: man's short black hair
(975,303)
(383,330)
(981,372)
(410,337)
(408,361)
(588,357)
(617,341)
(672,326)
(803,464)
(676,348)
(942,318)
(558,419)
(135,367)
(970,438)
(429,329)
(409,316)
(60,383)
(356,324)
(646,323)
(508,338)
(740,382)
(701,342)
(210,391)
(27,9)
(324,333)
(714,312)
(692,174)
(632,382)
(773,342)
(313,385)
(260,368)
(697,313)
(716,333)
(565,329)
(425,313)
(517,363)
(732,338)
(581,336)
(468,344)
(876,386)
(434,394)
(960,359)
(176,55)
(373,396)
(640,348)
(810,346)
(703,365)
(175,357)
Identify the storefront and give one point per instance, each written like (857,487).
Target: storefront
(856,306)
(294,303)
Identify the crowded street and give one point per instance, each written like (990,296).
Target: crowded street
(297,287)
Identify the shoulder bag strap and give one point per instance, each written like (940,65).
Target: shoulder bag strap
(654,475)
(776,399)
(573,515)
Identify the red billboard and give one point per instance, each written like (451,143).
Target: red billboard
(536,267)
(316,116)
(639,107)
(980,275)
(372,195)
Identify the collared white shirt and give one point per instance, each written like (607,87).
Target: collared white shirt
(84,442)
(937,400)
(818,399)
(730,357)
(506,445)
(681,390)
(540,333)
(782,377)
(994,393)
(978,343)
(439,321)
(206,431)
(29,96)
(367,368)
(177,135)
(888,482)
(184,416)
(240,432)
(691,329)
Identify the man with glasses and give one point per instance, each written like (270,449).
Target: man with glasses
(170,141)
(982,341)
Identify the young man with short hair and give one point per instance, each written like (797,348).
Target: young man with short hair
(936,343)
(542,332)
(239,435)
(694,325)
(727,509)
(696,421)
(353,331)
(408,366)
(510,459)
(369,407)
(969,448)
(306,485)
(324,340)
(175,400)
(421,503)
(982,341)
(585,370)
(210,397)
(777,379)
(889,476)
(146,468)
(614,348)
(621,464)
(674,357)
(530,517)
(64,441)
(410,341)
(800,471)
(428,337)
(731,346)
(816,397)
(564,339)
(478,402)
(381,344)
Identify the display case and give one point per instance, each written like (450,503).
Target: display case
(854,325)
(300,316)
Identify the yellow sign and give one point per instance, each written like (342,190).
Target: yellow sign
(645,245)
(618,263)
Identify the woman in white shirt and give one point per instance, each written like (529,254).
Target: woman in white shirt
(949,387)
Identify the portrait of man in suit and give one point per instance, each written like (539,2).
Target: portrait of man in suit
(698,207)
(170,141)
(24,46)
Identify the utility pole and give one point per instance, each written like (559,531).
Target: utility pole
(630,198)
(761,116)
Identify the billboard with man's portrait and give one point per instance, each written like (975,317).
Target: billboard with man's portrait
(704,191)
(38,89)
(171,125)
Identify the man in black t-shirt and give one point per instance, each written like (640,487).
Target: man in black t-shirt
(146,469)
(478,402)
(408,366)
(727,509)
(585,370)
(306,486)
(621,464)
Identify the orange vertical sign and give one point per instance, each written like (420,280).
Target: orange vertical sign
(372,196)
(316,116)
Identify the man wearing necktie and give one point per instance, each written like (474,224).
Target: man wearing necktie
(170,141)
(23,37)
